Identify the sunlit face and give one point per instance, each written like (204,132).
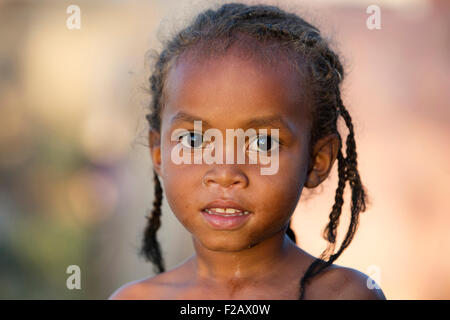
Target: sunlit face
(230,92)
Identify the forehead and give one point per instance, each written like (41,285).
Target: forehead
(236,85)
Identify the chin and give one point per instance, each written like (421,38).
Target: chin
(225,243)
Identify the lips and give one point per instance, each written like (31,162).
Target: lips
(225,214)
(225,207)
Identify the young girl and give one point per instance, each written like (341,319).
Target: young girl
(253,67)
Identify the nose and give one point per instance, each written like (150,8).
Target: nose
(225,176)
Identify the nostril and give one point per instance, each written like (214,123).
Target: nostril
(207,182)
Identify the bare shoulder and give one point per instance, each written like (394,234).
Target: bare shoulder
(343,283)
(162,286)
(144,289)
(157,287)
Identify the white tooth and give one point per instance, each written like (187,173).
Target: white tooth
(230,211)
(211,211)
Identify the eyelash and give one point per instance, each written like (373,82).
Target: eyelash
(279,141)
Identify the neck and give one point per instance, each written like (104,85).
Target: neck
(257,263)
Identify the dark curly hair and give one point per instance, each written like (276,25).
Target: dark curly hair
(323,72)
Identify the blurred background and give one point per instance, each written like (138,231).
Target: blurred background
(75,170)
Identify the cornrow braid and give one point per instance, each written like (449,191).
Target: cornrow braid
(323,73)
(151,249)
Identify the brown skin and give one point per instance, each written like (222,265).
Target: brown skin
(258,260)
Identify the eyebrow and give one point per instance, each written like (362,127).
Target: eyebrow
(186,117)
(268,121)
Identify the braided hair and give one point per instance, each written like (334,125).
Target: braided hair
(324,74)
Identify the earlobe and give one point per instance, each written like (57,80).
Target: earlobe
(324,154)
(312,180)
(155,150)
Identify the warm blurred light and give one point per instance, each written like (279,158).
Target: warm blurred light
(105,137)
(385,3)
(92,196)
(15,132)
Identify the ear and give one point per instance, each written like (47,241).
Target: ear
(154,138)
(323,156)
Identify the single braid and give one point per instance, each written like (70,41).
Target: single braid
(151,249)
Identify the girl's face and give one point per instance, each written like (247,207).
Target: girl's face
(231,92)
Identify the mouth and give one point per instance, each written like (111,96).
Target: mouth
(225,214)
(225,208)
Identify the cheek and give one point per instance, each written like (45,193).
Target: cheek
(279,194)
(181,187)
